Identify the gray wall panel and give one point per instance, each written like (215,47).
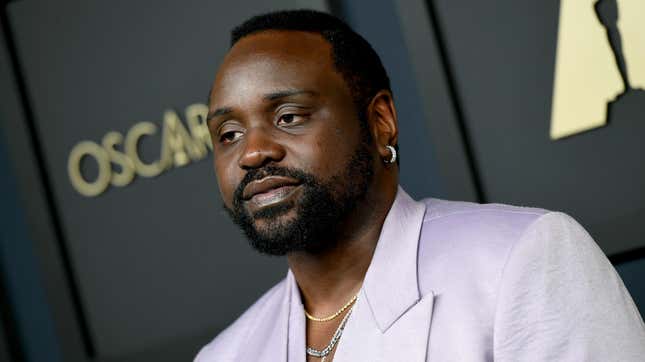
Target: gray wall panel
(632,273)
(32,197)
(4,347)
(25,315)
(440,108)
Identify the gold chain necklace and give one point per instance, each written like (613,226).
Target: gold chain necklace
(333,316)
(334,339)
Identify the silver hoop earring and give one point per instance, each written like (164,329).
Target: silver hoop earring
(393,157)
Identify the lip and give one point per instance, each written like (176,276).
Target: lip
(269,187)
(272,197)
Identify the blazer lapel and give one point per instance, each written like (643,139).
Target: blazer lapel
(406,340)
(391,321)
(278,335)
(296,349)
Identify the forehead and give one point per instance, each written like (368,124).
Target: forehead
(274,60)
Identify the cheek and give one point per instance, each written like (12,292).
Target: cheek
(227,179)
(327,152)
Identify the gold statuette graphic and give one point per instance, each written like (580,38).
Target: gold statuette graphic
(600,57)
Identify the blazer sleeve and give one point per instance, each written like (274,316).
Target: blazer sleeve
(560,299)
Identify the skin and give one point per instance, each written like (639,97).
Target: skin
(310,122)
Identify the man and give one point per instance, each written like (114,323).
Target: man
(304,130)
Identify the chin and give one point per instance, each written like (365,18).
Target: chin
(269,219)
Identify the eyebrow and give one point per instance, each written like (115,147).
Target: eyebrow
(218,112)
(287,93)
(268,97)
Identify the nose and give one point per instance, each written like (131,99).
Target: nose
(260,148)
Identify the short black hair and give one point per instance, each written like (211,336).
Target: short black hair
(353,57)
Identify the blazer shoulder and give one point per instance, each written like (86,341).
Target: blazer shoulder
(468,225)
(438,208)
(557,278)
(481,236)
(228,342)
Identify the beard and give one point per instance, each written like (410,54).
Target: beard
(319,212)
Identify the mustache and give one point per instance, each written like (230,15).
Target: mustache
(260,173)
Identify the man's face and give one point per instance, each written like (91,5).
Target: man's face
(291,157)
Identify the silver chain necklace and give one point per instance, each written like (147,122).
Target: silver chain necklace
(339,332)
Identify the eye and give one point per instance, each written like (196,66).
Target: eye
(290,119)
(229,137)
(229,132)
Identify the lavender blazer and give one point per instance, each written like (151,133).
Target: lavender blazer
(456,281)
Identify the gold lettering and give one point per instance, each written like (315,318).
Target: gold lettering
(196,118)
(177,146)
(84,187)
(132,149)
(125,176)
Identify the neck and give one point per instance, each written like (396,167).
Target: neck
(329,279)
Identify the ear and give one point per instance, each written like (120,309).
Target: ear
(381,115)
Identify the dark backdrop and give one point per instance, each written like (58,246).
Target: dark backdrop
(153,270)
